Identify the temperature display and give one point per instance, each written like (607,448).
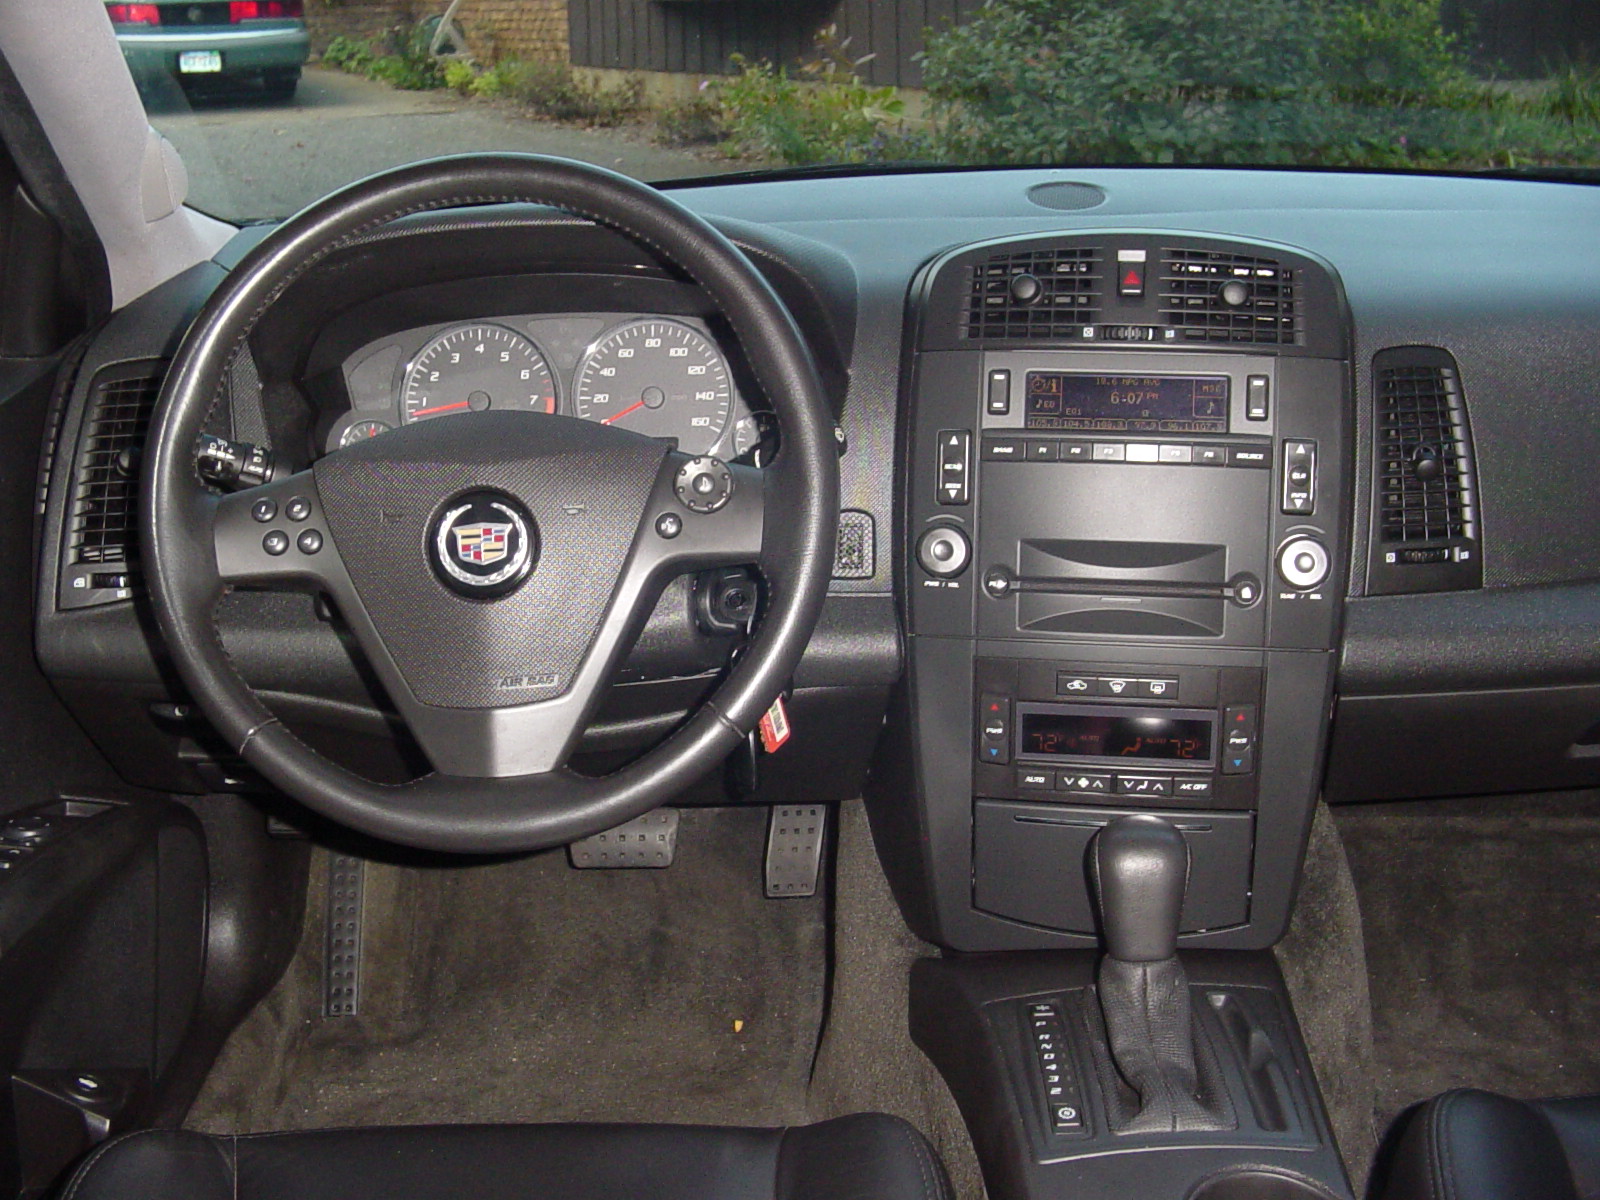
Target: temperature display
(1127,403)
(1122,736)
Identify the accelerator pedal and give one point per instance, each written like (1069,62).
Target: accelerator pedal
(647,841)
(341,963)
(795,834)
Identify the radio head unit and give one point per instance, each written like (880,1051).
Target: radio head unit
(1065,401)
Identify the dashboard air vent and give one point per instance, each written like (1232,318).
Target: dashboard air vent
(101,539)
(1425,519)
(1213,296)
(1047,294)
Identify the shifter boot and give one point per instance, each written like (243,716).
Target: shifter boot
(1151,1034)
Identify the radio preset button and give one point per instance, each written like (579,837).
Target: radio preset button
(1210,456)
(1145,452)
(1041,450)
(1177,454)
(1110,452)
(1077,451)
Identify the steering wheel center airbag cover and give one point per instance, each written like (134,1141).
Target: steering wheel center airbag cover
(584,488)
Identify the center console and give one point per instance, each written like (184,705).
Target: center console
(1125,540)
(1125,543)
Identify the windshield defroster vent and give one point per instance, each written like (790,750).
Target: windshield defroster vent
(1048,294)
(1214,296)
(1425,519)
(102,543)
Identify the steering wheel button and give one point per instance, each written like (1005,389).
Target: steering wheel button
(669,525)
(309,541)
(298,508)
(276,543)
(703,484)
(264,510)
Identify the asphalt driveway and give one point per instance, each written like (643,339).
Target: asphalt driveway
(251,158)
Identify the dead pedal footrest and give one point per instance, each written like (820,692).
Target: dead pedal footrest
(795,834)
(647,841)
(341,964)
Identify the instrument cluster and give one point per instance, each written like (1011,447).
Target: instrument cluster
(660,376)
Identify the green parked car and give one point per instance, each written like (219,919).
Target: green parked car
(215,41)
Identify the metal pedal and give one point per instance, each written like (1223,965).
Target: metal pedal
(341,963)
(647,841)
(794,849)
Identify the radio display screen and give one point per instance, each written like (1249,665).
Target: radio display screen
(1121,736)
(1126,403)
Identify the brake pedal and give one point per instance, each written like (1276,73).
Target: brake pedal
(795,834)
(341,964)
(647,841)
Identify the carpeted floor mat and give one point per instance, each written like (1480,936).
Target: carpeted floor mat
(1482,922)
(528,991)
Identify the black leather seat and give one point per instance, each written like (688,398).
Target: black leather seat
(864,1157)
(1472,1145)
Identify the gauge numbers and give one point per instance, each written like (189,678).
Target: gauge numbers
(659,378)
(477,367)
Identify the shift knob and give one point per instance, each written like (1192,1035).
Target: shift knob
(1140,871)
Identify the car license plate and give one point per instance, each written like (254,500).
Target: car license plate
(200,62)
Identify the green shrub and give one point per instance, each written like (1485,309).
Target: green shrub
(1329,82)
(349,54)
(1574,95)
(461,76)
(824,112)
(554,90)
(406,64)
(696,121)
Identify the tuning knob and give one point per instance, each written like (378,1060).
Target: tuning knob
(1303,563)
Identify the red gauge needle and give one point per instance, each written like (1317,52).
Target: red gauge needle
(618,416)
(439,408)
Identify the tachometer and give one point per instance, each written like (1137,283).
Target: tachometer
(476,367)
(659,378)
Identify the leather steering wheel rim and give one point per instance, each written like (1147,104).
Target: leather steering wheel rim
(525,812)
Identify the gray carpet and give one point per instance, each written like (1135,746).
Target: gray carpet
(527,991)
(1325,968)
(1482,926)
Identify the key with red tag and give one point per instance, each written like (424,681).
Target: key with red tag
(775,727)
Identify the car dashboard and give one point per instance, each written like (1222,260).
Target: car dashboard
(1199,492)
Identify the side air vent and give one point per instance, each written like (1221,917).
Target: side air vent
(102,542)
(1424,511)
(1213,296)
(1044,295)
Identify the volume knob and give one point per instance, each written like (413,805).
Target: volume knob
(1303,563)
(944,551)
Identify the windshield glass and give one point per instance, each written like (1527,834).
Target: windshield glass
(273,103)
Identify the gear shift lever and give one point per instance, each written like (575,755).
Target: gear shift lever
(1140,869)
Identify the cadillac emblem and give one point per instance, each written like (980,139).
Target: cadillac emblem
(483,545)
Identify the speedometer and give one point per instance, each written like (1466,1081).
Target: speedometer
(660,378)
(476,367)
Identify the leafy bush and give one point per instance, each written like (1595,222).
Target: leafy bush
(1332,82)
(460,76)
(696,121)
(1574,95)
(823,113)
(554,90)
(406,63)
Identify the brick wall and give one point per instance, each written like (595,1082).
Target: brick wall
(532,30)
(495,29)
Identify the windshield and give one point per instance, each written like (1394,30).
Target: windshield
(273,103)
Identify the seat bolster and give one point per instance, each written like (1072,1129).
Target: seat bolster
(156,1164)
(1577,1124)
(1474,1145)
(868,1156)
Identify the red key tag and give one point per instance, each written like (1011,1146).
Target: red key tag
(775,727)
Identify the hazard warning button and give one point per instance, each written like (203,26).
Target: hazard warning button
(1130,273)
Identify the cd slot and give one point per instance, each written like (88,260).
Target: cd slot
(1243,590)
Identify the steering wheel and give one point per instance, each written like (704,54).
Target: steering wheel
(493,568)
